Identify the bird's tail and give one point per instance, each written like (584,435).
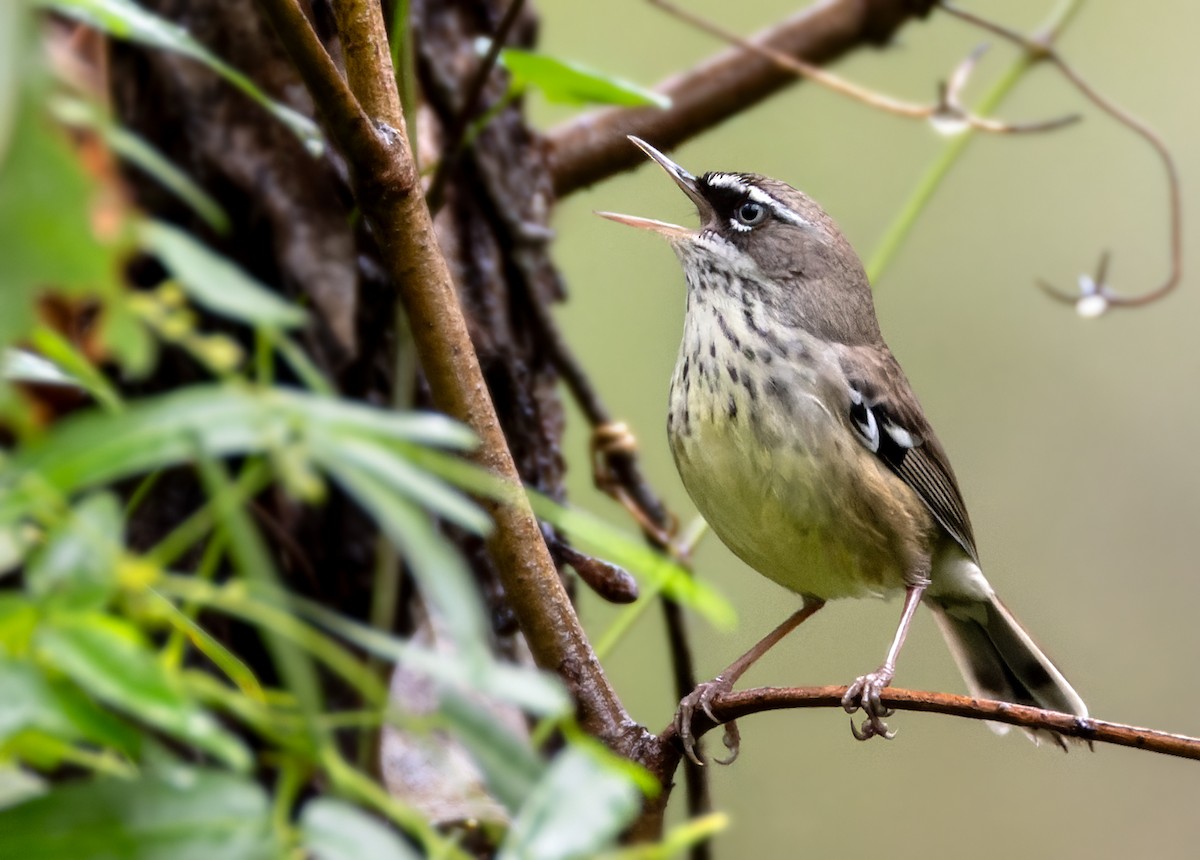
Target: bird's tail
(999,660)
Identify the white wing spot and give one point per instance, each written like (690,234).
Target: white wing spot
(863,418)
(899,435)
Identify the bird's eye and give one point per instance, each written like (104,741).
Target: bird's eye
(751,213)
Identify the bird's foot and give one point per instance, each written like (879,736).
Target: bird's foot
(865,693)
(702,698)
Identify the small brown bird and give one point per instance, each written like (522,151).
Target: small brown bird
(799,439)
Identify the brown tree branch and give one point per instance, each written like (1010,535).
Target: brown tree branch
(593,146)
(368,59)
(738,704)
(389,192)
(948,110)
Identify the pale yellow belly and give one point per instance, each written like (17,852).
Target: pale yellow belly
(798,498)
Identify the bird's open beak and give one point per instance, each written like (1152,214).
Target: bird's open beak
(686,182)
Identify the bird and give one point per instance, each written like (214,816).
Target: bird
(799,439)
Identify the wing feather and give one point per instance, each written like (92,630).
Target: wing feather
(887,418)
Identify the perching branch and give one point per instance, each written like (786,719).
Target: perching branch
(738,704)
(593,146)
(389,193)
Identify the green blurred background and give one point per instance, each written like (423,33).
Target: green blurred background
(1074,440)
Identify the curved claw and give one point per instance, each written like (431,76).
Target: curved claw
(733,742)
(702,697)
(866,694)
(859,734)
(683,726)
(871,728)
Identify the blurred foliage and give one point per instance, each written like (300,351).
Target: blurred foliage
(112,742)
(567,83)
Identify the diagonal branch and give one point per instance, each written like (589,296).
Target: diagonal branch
(947,112)
(733,706)
(389,193)
(593,146)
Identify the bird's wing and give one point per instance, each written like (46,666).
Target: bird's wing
(886,417)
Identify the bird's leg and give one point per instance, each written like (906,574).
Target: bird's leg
(705,693)
(865,691)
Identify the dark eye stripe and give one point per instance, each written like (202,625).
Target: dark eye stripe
(727,191)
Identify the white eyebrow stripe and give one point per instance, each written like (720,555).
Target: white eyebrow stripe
(727,180)
(736,183)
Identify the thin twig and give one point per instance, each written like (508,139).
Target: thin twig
(1095,296)
(896,232)
(736,705)
(947,111)
(593,146)
(456,134)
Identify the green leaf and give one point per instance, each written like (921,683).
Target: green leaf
(34,702)
(18,785)
(565,82)
(336,417)
(204,642)
(214,282)
(508,762)
(14,21)
(439,570)
(20,365)
(125,19)
(610,543)
(531,690)
(336,830)
(180,815)
(678,840)
(77,567)
(578,808)
(92,449)
(18,620)
(342,452)
(56,347)
(138,152)
(30,703)
(46,236)
(591,532)
(108,658)
(13,548)
(253,562)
